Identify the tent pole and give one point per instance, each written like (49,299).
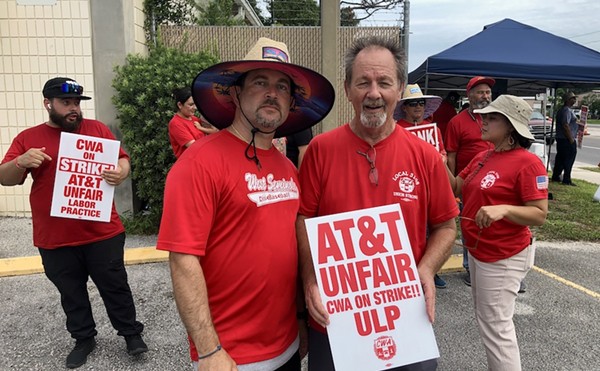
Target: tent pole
(552,109)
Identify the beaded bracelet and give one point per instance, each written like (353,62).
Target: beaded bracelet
(211,353)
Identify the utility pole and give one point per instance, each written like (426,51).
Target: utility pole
(405,32)
(330,22)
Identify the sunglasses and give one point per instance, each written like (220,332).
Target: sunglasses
(371,155)
(414,103)
(71,88)
(474,247)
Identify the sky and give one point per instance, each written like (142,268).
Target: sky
(436,25)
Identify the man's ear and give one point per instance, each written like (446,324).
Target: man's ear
(400,92)
(347,90)
(234,92)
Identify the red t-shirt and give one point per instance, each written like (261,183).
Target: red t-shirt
(443,115)
(181,132)
(52,232)
(463,136)
(241,221)
(512,177)
(407,124)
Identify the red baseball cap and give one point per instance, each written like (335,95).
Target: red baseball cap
(477,80)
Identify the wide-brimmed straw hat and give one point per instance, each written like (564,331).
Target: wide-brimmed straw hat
(312,96)
(516,110)
(413,92)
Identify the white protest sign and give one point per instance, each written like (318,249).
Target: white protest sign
(79,191)
(582,126)
(370,286)
(427,132)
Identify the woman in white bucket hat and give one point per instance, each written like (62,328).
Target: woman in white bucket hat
(505,190)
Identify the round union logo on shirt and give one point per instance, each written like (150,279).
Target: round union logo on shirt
(489,179)
(406,184)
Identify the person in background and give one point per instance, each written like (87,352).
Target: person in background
(184,127)
(566,140)
(463,135)
(411,111)
(231,237)
(504,190)
(73,250)
(371,150)
(296,145)
(446,111)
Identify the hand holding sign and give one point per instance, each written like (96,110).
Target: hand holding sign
(117,175)
(314,303)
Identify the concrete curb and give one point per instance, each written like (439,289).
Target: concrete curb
(33,264)
(140,255)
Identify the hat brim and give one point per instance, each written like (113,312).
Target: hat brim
(432,102)
(313,96)
(82,97)
(520,127)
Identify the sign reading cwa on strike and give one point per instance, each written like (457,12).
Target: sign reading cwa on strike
(370,286)
(79,190)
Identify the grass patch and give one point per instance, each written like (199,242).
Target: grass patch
(573,215)
(595,169)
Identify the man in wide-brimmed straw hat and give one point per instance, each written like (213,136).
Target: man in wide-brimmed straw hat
(230,207)
(505,191)
(411,112)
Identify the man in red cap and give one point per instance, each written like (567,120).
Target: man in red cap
(463,134)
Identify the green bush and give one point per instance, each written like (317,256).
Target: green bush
(144,104)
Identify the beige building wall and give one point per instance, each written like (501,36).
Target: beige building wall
(138,25)
(38,43)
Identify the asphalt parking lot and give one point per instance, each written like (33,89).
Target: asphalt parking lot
(557,319)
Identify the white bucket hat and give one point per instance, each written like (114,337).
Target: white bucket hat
(515,109)
(413,92)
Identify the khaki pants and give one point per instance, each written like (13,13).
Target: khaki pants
(494,287)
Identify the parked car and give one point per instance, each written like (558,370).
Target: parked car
(537,123)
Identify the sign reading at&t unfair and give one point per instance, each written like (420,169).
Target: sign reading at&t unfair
(79,190)
(370,286)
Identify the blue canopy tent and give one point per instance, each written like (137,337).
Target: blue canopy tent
(523,59)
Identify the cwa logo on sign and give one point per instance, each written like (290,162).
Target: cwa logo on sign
(385,347)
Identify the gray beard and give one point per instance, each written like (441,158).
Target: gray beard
(481,104)
(373,121)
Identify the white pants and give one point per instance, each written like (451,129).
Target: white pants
(495,287)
